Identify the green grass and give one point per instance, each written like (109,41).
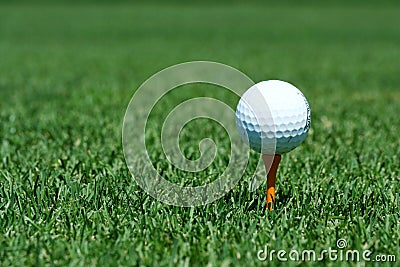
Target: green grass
(67,73)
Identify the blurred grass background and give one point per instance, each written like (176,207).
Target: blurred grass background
(69,69)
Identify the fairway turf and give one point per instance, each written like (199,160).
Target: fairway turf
(67,73)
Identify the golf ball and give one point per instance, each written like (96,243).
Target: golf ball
(273,117)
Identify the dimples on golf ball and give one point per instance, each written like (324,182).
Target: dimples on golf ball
(273,117)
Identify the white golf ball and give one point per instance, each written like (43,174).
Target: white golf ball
(273,117)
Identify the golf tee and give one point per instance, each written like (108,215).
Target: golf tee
(271,163)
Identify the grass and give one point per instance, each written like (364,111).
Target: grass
(67,73)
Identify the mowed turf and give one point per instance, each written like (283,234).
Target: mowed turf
(67,73)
